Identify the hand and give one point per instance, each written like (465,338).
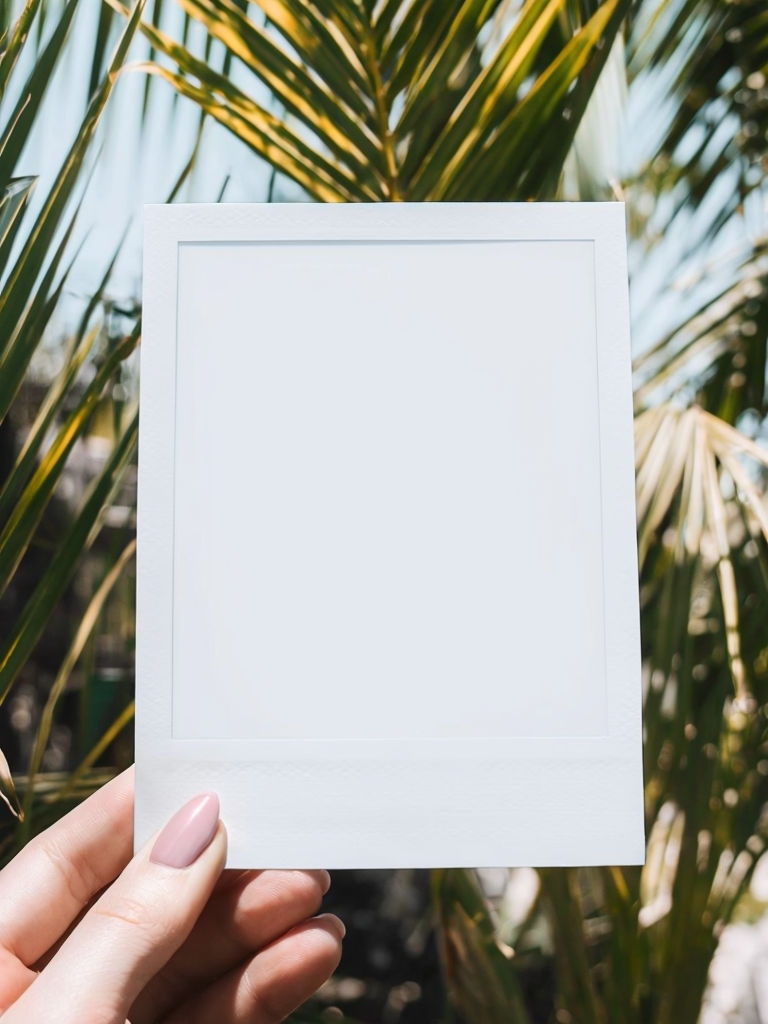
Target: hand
(90,936)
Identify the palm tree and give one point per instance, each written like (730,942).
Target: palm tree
(389,100)
(477,101)
(421,101)
(35,263)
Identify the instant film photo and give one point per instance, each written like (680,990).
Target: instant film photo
(387,582)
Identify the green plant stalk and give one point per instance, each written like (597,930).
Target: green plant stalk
(77,351)
(111,733)
(13,203)
(560,889)
(12,50)
(23,337)
(481,980)
(392,190)
(23,520)
(18,647)
(84,631)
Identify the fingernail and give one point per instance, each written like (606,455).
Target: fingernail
(335,922)
(325,881)
(188,833)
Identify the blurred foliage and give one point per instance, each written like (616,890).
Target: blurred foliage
(359,100)
(483,984)
(35,263)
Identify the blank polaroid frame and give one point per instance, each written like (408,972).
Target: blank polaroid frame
(387,580)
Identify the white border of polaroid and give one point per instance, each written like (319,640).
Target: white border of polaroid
(482,793)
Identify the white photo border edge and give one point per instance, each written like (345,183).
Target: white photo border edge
(582,781)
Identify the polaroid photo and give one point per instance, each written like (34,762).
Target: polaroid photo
(387,577)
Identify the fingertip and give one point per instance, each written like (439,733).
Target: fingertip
(333,923)
(316,945)
(273,982)
(188,834)
(324,936)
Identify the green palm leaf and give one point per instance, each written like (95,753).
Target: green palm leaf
(13,202)
(83,633)
(35,262)
(291,83)
(16,353)
(16,649)
(402,103)
(505,150)
(78,351)
(14,137)
(14,38)
(28,509)
(482,984)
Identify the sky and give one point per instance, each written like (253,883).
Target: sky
(138,163)
(135,163)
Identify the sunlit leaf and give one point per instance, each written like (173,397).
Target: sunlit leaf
(84,631)
(483,986)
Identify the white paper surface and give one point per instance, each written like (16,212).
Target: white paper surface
(387,573)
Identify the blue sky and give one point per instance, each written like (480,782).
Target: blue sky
(135,163)
(139,163)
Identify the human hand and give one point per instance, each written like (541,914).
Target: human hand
(90,936)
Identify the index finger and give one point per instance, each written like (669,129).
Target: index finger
(48,884)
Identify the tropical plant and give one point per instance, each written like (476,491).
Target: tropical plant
(356,100)
(35,264)
(426,101)
(635,945)
(400,101)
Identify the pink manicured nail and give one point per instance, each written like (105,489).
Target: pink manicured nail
(188,832)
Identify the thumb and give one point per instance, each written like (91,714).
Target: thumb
(127,936)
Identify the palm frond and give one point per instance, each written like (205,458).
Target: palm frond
(403,103)
(482,985)
(35,262)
